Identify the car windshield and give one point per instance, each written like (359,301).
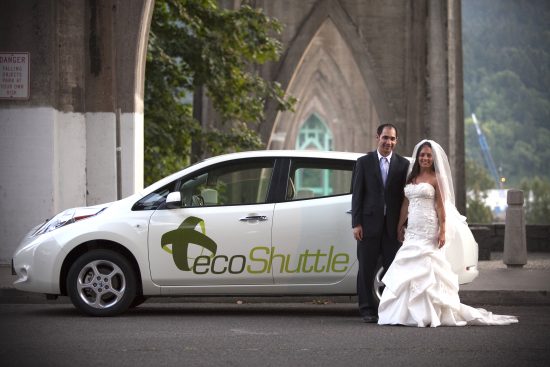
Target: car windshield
(154,199)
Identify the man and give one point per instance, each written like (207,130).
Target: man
(378,182)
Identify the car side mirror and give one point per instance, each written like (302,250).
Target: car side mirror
(173,200)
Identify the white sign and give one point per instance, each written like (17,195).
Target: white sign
(14,75)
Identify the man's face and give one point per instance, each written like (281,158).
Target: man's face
(386,141)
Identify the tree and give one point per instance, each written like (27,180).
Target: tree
(195,44)
(507,83)
(478,182)
(478,212)
(537,200)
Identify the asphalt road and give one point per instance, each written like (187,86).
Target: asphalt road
(218,334)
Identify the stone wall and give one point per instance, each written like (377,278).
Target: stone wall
(490,238)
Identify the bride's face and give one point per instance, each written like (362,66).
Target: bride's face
(425,158)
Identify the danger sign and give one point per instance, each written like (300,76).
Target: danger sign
(14,75)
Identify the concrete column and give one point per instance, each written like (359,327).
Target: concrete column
(515,244)
(117,34)
(456,102)
(416,76)
(58,148)
(438,115)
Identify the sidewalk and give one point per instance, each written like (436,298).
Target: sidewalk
(496,284)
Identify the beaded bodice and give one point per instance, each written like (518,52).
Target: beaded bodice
(422,219)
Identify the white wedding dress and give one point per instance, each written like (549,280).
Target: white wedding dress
(421,288)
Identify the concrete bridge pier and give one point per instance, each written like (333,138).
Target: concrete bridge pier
(76,136)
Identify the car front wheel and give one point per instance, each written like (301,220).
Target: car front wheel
(101,283)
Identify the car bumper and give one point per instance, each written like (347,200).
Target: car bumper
(468,275)
(36,263)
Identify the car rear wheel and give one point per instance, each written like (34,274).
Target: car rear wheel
(101,283)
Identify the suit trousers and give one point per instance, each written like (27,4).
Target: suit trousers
(368,252)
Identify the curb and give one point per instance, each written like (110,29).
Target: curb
(500,298)
(505,298)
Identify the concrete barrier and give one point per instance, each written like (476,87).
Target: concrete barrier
(490,238)
(515,244)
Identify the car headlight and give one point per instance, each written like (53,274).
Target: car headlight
(67,217)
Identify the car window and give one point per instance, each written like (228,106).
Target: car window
(319,178)
(153,200)
(240,183)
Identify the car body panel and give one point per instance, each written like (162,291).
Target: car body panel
(315,238)
(233,237)
(311,229)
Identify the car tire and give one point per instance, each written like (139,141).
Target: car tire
(377,285)
(101,283)
(138,300)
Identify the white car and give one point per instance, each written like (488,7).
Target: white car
(252,223)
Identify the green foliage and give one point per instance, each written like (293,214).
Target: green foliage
(194,44)
(477,181)
(537,200)
(506,46)
(477,211)
(477,178)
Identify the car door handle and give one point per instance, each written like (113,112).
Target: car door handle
(254,218)
(349,211)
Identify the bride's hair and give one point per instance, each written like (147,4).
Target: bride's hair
(416,166)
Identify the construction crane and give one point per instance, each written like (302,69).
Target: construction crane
(487,157)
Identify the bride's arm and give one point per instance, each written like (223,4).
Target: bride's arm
(403,214)
(440,209)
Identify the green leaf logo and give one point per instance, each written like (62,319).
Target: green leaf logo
(184,235)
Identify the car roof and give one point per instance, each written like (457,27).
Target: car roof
(287,153)
(254,154)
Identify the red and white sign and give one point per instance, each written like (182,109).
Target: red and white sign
(14,75)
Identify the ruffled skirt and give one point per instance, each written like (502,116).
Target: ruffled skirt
(422,290)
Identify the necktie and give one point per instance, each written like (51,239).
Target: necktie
(384,165)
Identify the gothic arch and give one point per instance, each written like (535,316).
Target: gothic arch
(328,82)
(327,18)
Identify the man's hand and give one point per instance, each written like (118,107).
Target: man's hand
(358,232)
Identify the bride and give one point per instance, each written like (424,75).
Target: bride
(421,289)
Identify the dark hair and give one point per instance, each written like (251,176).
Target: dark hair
(416,166)
(383,126)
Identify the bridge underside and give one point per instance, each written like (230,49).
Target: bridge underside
(78,139)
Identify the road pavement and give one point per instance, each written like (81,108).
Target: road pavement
(305,331)
(276,334)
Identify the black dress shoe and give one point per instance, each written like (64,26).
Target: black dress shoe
(371,319)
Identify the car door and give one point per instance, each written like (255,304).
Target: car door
(312,240)
(224,216)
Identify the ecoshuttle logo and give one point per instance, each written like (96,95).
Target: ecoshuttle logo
(180,239)
(260,259)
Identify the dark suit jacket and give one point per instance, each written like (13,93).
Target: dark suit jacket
(369,194)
